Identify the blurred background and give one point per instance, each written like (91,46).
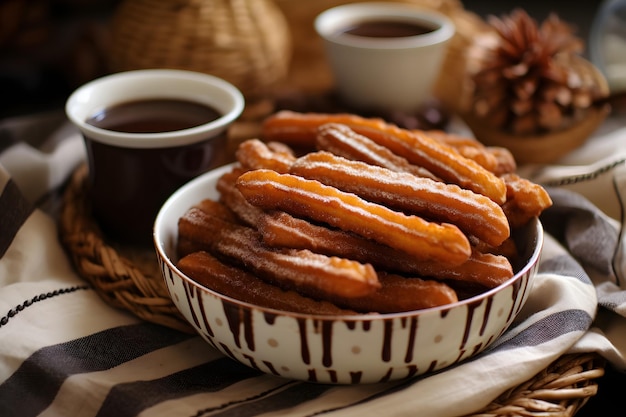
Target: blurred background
(49,47)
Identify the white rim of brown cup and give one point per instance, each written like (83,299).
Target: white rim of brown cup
(329,23)
(96,95)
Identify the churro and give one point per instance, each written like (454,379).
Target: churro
(254,154)
(243,286)
(300,129)
(399,293)
(473,213)
(525,199)
(440,159)
(415,146)
(311,274)
(494,158)
(234,200)
(309,198)
(280,229)
(197,228)
(342,141)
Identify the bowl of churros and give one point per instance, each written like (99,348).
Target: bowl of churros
(344,250)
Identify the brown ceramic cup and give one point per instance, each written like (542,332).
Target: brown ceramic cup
(132,170)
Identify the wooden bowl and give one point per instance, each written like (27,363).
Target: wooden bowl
(549,147)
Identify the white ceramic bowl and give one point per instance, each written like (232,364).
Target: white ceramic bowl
(339,349)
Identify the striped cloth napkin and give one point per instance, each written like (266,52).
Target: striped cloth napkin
(64,352)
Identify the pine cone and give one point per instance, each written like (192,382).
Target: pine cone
(524,78)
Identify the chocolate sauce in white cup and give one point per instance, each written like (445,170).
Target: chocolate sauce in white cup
(384,56)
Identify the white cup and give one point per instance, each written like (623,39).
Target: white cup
(384,73)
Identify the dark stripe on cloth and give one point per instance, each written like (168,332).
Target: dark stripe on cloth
(14,210)
(566,266)
(542,331)
(131,398)
(581,228)
(548,328)
(283,400)
(36,382)
(619,185)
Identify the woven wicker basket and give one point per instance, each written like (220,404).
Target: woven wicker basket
(560,390)
(246,42)
(125,277)
(129,279)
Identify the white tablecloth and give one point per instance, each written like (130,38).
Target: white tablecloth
(64,352)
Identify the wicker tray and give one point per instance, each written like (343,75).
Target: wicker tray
(125,277)
(128,278)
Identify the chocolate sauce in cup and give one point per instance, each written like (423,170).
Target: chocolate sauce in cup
(148,132)
(384,56)
(386,29)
